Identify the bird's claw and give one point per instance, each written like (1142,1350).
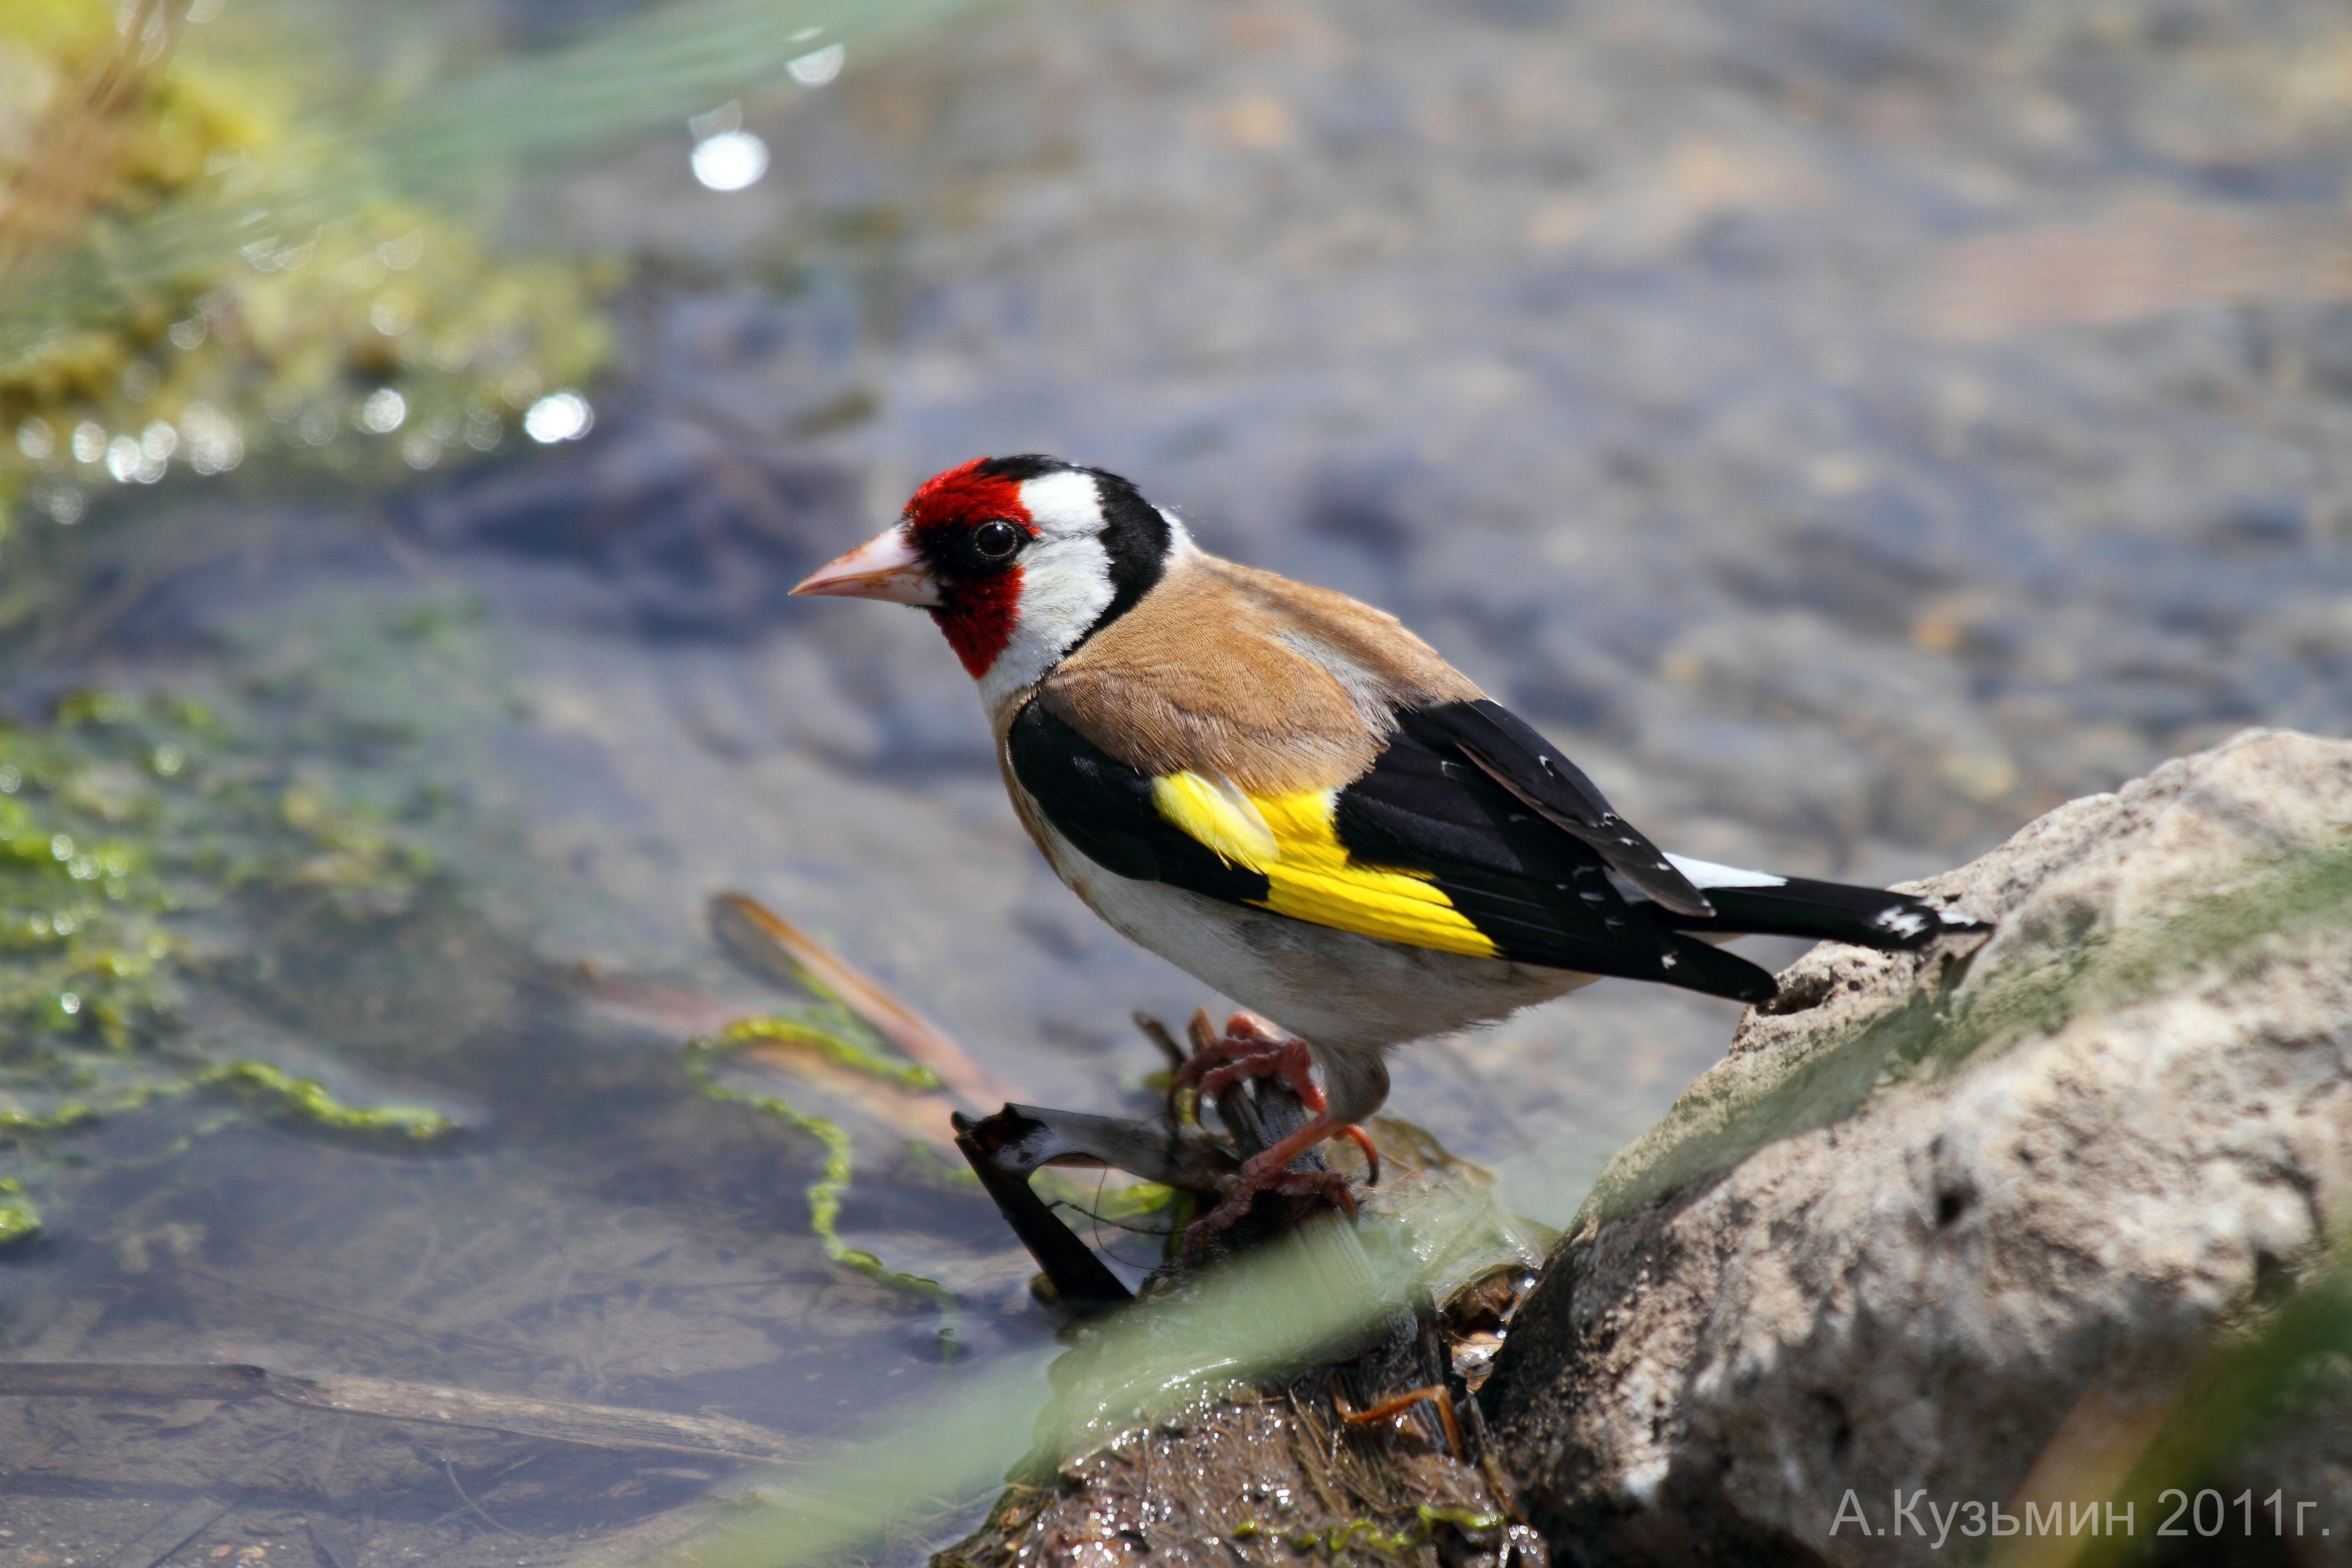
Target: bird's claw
(1330,1185)
(1250,1047)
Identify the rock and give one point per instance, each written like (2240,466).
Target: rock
(1264,1477)
(1936,1210)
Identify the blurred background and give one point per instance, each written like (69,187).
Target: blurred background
(1851,427)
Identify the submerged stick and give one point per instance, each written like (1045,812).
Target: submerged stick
(775,949)
(588,1426)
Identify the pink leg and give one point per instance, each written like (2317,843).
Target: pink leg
(1252,1047)
(1268,1172)
(1363,1140)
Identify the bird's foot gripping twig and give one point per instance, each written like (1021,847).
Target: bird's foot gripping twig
(1251,1047)
(1270,1172)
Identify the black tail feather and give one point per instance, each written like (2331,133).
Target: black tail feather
(1827,911)
(1697,966)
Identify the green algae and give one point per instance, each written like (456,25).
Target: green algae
(307,1100)
(824,1193)
(1138,1200)
(86,806)
(1146,1208)
(141,838)
(929,1164)
(121,821)
(1368,1534)
(20,1222)
(259,1083)
(373,336)
(835,1047)
(73,1113)
(147,850)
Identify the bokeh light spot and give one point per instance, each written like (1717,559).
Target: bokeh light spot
(730,161)
(818,66)
(559,416)
(383,411)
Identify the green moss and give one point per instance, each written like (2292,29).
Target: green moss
(1367,1534)
(370,335)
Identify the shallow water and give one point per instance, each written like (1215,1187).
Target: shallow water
(1854,429)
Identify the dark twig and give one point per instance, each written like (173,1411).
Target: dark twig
(1156,1033)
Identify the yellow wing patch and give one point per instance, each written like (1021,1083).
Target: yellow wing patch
(1293,841)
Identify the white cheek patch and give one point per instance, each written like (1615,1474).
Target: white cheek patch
(1065,583)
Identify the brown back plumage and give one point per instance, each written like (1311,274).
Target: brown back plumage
(1239,674)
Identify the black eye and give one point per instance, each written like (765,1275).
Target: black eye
(996,540)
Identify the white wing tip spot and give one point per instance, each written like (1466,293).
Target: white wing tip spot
(1902,921)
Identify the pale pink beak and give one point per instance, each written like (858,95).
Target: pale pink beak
(885,567)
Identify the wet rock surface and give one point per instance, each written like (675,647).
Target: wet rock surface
(1374,1448)
(1262,1476)
(1940,1223)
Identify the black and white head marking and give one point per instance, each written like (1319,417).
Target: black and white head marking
(1096,547)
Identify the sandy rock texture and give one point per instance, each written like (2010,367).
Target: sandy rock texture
(1964,1222)
(1261,1476)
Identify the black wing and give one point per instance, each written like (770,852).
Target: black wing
(1543,896)
(1509,751)
(1540,895)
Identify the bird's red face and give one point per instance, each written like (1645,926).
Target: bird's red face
(1017,559)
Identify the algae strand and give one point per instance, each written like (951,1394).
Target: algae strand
(307,1100)
(824,1193)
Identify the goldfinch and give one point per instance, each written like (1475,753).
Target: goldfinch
(1293,798)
